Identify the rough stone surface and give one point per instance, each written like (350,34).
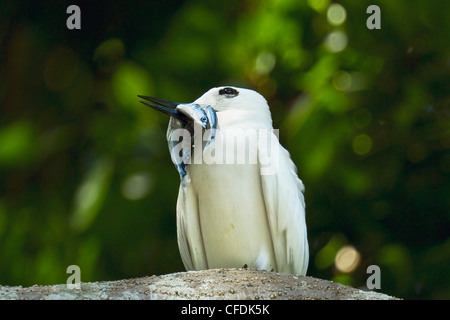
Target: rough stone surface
(231,284)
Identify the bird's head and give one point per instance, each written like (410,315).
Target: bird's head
(218,108)
(237,103)
(232,98)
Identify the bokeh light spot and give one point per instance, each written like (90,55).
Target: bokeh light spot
(342,81)
(347,259)
(265,62)
(336,41)
(136,186)
(336,14)
(362,144)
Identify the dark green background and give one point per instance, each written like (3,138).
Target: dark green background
(85,173)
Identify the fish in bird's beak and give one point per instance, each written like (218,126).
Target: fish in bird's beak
(187,114)
(182,112)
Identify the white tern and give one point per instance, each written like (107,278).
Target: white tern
(240,201)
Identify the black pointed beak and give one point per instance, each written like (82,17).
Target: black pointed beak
(167,107)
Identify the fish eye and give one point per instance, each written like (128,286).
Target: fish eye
(228,92)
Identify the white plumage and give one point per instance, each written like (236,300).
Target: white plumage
(231,215)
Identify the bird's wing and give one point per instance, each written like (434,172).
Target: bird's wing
(285,207)
(190,242)
(183,244)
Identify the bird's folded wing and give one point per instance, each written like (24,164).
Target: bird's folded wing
(181,237)
(189,236)
(285,207)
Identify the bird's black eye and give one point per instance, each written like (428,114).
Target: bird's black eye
(228,92)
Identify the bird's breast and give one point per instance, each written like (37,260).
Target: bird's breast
(231,209)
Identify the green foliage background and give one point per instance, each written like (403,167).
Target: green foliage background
(85,173)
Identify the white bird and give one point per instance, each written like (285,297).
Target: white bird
(232,215)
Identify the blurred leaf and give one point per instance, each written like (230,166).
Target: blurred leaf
(325,257)
(130,80)
(16,144)
(91,193)
(88,255)
(395,258)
